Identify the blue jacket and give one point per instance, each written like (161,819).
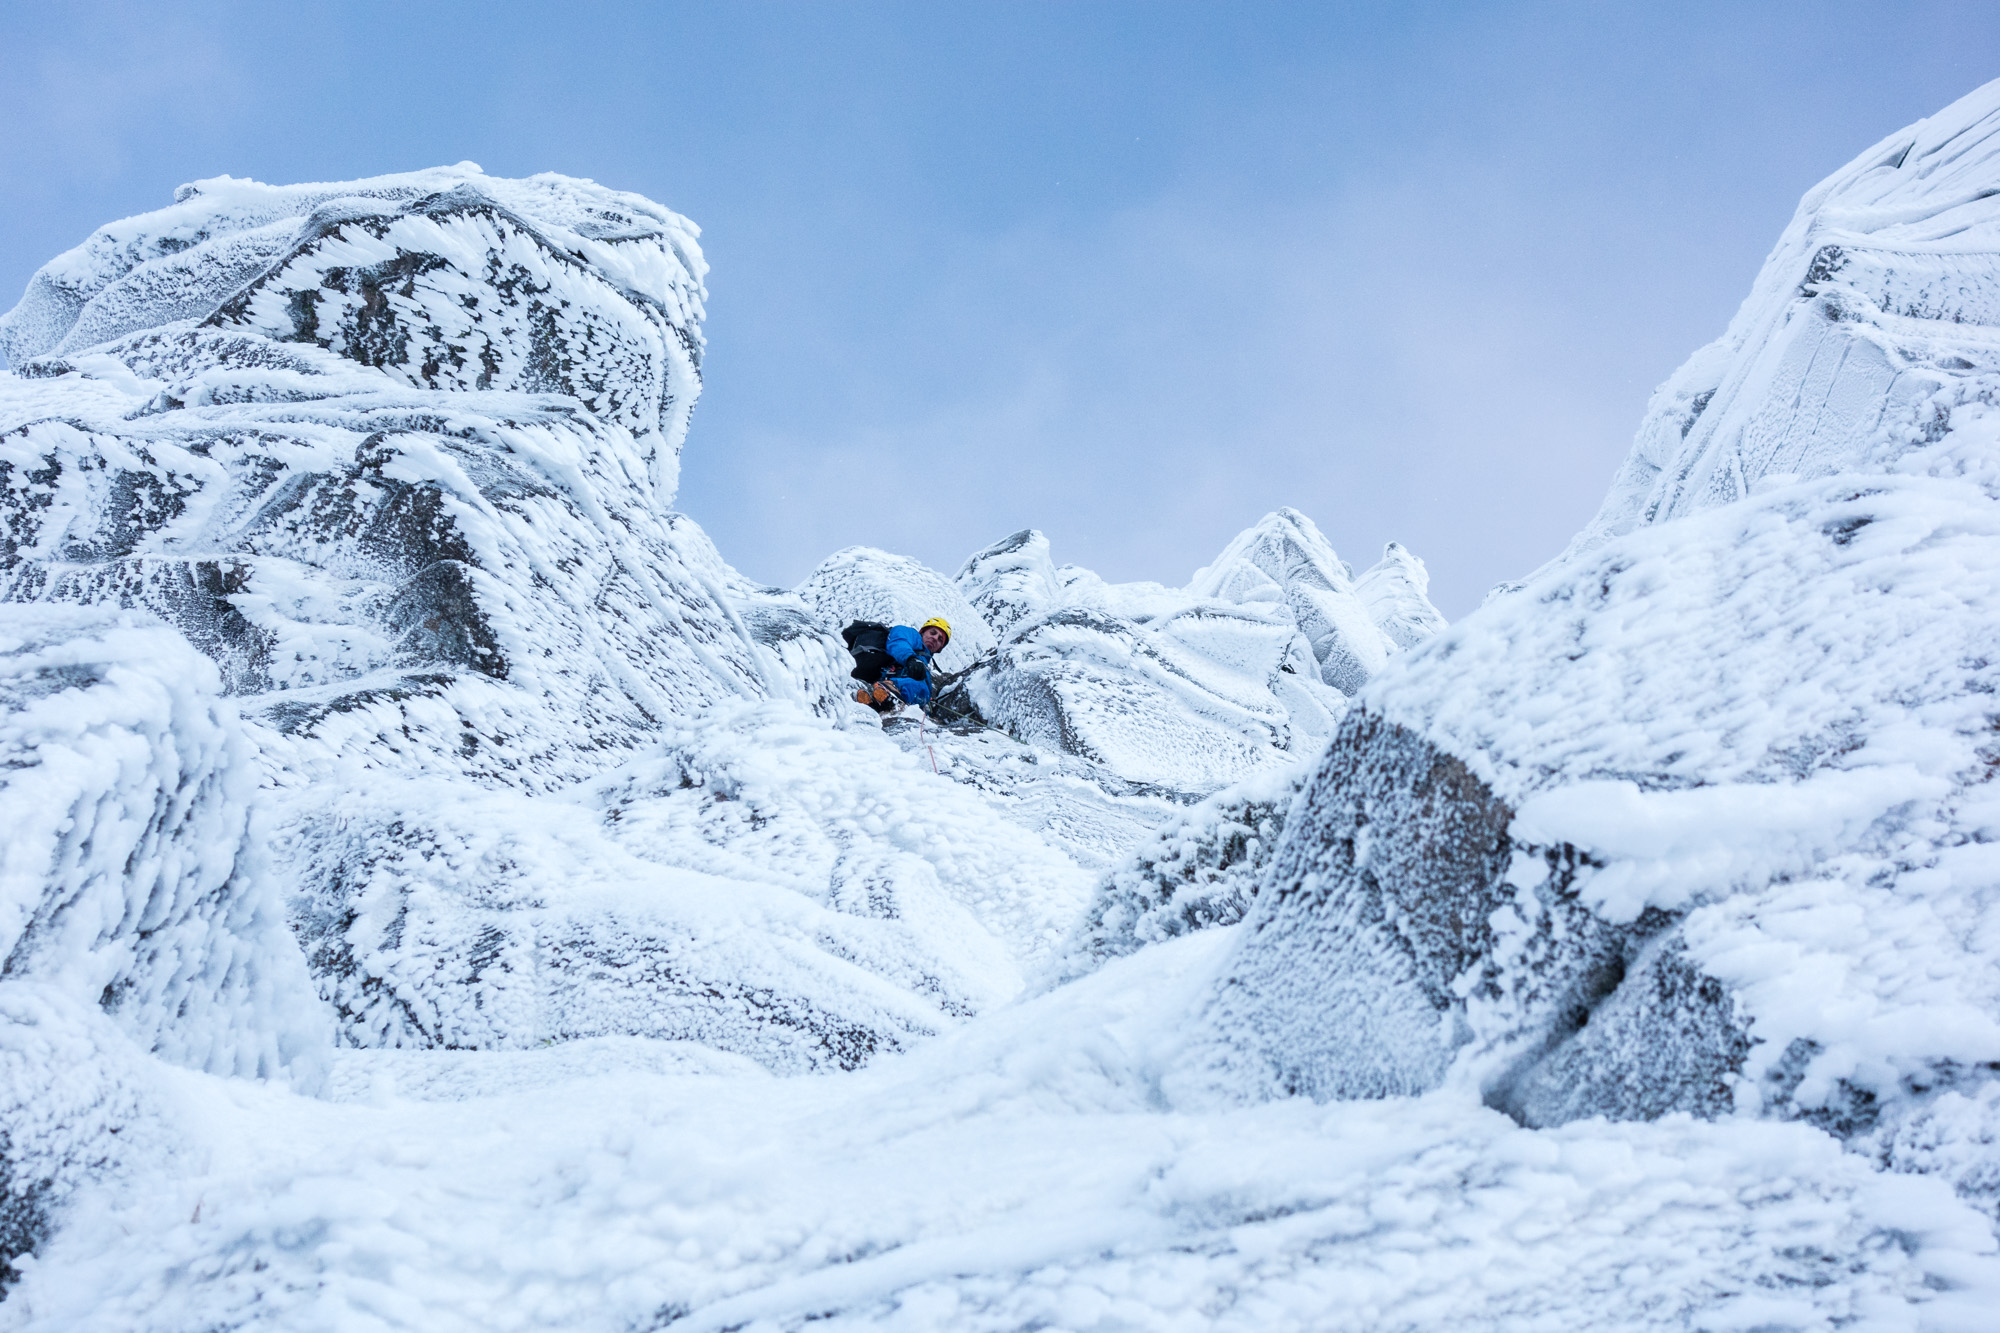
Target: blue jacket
(913,665)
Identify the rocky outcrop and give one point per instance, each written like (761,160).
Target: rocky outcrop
(137,913)
(1285,562)
(1699,818)
(1188,689)
(1197,870)
(397,455)
(1396,591)
(407,478)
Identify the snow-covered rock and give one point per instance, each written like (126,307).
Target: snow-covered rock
(131,878)
(82,1113)
(1396,591)
(396,455)
(1286,562)
(137,914)
(1189,689)
(441,279)
(406,481)
(1702,816)
(1864,343)
(1197,870)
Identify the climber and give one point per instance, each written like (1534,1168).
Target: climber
(893,663)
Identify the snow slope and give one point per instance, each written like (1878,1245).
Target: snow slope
(1019,1175)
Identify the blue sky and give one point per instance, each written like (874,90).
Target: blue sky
(1133,273)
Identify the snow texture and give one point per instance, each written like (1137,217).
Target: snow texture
(1199,870)
(1701,817)
(131,878)
(136,914)
(1634,939)
(1015,1175)
(1189,689)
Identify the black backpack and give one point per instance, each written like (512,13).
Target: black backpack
(868,640)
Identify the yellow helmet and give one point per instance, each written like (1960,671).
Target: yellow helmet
(937,623)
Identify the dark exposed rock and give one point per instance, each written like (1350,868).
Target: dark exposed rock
(1664,1037)
(1194,872)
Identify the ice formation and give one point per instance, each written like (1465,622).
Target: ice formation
(1701,817)
(1190,688)
(442,893)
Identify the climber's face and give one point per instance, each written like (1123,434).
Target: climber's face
(933,638)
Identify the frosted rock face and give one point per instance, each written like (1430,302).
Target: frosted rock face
(1862,345)
(396,456)
(1197,870)
(81,1110)
(1396,589)
(494,922)
(1012,580)
(1700,817)
(1188,689)
(1285,562)
(132,880)
(136,913)
(1184,701)
(1673,757)
(441,279)
(763,885)
(383,521)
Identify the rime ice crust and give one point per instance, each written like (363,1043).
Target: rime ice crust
(1189,689)
(1866,338)
(133,880)
(1700,817)
(138,914)
(404,472)
(441,279)
(396,456)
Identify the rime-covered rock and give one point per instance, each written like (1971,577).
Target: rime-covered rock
(1284,562)
(1701,816)
(131,878)
(1013,580)
(763,885)
(397,456)
(862,583)
(1396,591)
(137,912)
(395,504)
(1197,870)
(1188,689)
(82,1110)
